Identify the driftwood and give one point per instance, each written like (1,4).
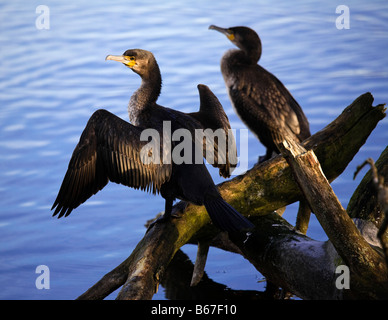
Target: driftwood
(355,252)
(177,279)
(372,192)
(286,257)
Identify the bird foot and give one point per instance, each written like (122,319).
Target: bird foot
(262,159)
(163,219)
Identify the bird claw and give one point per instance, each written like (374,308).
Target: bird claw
(261,159)
(163,219)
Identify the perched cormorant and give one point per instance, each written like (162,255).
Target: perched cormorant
(110,149)
(259,98)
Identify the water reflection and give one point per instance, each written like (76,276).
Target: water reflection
(177,279)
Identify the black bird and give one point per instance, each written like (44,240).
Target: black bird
(259,98)
(111,149)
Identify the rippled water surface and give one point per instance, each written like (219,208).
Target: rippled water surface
(52,80)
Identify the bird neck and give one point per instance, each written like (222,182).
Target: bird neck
(145,97)
(252,54)
(234,58)
(251,49)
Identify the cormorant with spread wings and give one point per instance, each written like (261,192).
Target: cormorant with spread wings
(111,149)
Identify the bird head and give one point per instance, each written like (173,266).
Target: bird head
(138,60)
(243,37)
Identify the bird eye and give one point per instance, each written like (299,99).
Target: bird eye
(130,58)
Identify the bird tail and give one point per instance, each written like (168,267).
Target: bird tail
(225,217)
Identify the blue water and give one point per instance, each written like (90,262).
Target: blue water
(52,80)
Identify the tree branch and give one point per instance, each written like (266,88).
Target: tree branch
(266,187)
(341,230)
(377,201)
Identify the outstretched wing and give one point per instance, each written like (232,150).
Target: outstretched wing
(219,142)
(109,149)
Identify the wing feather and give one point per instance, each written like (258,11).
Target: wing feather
(108,150)
(261,95)
(212,116)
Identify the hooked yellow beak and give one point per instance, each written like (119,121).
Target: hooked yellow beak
(229,34)
(127,60)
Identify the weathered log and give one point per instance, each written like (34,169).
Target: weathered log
(364,203)
(371,197)
(200,262)
(177,279)
(264,188)
(358,255)
(307,267)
